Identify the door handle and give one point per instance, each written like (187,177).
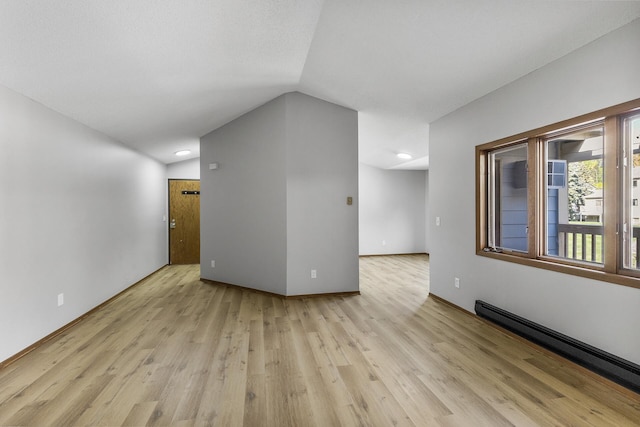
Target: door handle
(172,224)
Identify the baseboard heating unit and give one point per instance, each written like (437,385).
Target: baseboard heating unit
(616,369)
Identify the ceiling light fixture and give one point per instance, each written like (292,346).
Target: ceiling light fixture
(182,152)
(404,156)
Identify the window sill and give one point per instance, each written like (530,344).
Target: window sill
(588,273)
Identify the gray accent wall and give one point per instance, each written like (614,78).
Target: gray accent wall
(82,215)
(243,222)
(599,75)
(275,207)
(322,171)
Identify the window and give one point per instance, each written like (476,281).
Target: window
(565,196)
(508,198)
(573,218)
(631,172)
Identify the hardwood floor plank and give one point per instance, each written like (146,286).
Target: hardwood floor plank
(372,400)
(255,400)
(412,394)
(513,403)
(140,414)
(176,351)
(255,358)
(323,401)
(287,399)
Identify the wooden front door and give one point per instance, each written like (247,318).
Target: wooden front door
(184,221)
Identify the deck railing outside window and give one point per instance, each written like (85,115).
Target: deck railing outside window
(584,243)
(580,242)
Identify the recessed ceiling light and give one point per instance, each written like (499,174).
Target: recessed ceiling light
(182,152)
(405,156)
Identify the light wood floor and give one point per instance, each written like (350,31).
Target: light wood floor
(175,351)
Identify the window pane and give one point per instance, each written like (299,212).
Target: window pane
(574,195)
(631,214)
(508,214)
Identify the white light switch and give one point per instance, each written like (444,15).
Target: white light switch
(438,221)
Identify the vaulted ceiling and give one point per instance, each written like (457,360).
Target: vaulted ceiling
(158,74)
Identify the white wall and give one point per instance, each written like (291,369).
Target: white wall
(276,207)
(243,202)
(81,215)
(186,169)
(392,210)
(599,75)
(427,214)
(322,171)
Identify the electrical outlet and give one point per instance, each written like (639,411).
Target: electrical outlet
(314,274)
(437,221)
(384,243)
(213,263)
(60,299)
(456,282)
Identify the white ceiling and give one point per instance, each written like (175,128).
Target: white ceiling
(158,74)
